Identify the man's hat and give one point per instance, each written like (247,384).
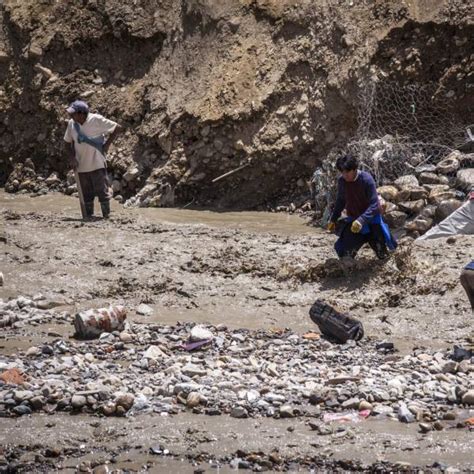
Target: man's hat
(78,106)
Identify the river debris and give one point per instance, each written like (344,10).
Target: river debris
(247,373)
(335,325)
(94,322)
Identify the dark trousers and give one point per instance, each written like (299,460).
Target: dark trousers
(350,243)
(94,183)
(467,281)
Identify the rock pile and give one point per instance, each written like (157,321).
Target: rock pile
(417,201)
(25,178)
(238,372)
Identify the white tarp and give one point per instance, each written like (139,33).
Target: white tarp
(461,221)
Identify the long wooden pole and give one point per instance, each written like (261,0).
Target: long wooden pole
(81,196)
(230,173)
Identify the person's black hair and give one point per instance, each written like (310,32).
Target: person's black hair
(347,163)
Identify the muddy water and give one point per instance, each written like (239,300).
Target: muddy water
(68,207)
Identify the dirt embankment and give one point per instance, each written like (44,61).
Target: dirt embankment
(204,85)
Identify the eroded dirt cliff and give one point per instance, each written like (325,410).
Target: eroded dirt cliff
(205,86)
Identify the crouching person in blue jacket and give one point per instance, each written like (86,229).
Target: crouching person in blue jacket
(357,194)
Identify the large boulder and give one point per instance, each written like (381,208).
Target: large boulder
(446,208)
(389,193)
(417,192)
(429,211)
(412,193)
(432,178)
(437,196)
(466,160)
(406,181)
(436,187)
(389,207)
(4,56)
(412,207)
(465,179)
(420,224)
(425,168)
(449,165)
(395,219)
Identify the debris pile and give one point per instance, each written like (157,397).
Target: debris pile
(415,202)
(241,373)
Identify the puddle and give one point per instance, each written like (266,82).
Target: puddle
(67,206)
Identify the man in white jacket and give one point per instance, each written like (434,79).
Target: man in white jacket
(86,136)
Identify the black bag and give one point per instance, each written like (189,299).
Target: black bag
(335,325)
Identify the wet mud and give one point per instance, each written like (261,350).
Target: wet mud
(247,270)
(203,442)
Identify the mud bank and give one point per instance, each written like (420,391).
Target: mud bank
(254,273)
(244,269)
(197,442)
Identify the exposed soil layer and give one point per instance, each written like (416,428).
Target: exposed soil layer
(204,86)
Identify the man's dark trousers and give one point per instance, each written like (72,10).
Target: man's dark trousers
(349,243)
(94,183)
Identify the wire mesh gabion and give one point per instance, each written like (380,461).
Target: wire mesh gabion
(400,126)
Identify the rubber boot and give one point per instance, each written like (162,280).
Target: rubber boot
(89,209)
(105,206)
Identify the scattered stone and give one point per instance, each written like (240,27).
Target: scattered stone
(124,400)
(365,405)
(287,411)
(239,412)
(193,399)
(468,398)
(200,333)
(144,309)
(21,410)
(154,353)
(78,401)
(192,370)
(404,415)
(425,427)
(438,426)
(33,351)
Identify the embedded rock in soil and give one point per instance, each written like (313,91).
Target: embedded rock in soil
(202,88)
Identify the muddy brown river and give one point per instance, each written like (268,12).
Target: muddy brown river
(245,270)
